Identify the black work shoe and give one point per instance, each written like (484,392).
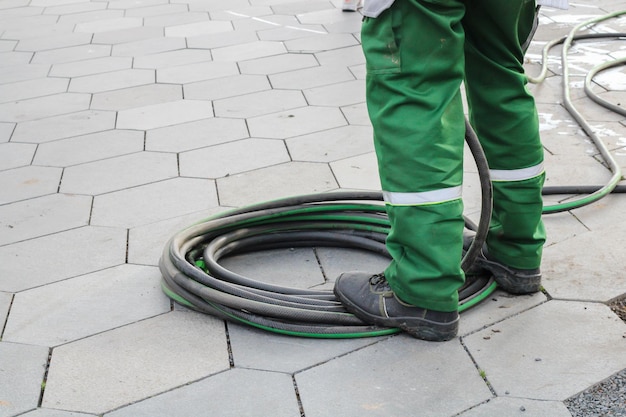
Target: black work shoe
(511,280)
(370,298)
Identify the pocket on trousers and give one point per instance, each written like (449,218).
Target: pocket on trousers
(380,43)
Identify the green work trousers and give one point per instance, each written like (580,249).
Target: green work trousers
(418,52)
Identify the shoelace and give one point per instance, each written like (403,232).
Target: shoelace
(379,282)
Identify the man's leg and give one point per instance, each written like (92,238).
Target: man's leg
(414,54)
(503,113)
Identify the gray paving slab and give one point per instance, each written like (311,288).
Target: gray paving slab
(216,161)
(32,88)
(131,34)
(113,80)
(130,363)
(512,407)
(277,64)
(267,351)
(550,352)
(41,216)
(41,107)
(91,66)
(153,202)
(238,85)
(22,369)
(295,122)
(357,172)
(275,182)
(71,54)
(198,134)
(13,58)
(172,58)
(200,71)
(164,114)
(148,46)
(79,307)
(138,96)
(88,148)
(331,145)
(197,29)
(28,182)
(59,256)
(14,155)
(393,377)
(259,103)
(64,126)
(265,393)
(584,268)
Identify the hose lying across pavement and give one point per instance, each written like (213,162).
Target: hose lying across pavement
(193,276)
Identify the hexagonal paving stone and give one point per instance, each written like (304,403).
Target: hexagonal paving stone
(164,114)
(71,54)
(118,173)
(151,45)
(22,369)
(394,377)
(278,63)
(41,107)
(581,269)
(107,25)
(311,77)
(172,58)
(258,349)
(217,161)
(519,355)
(88,148)
(153,202)
(91,66)
(265,393)
(194,135)
(295,122)
(341,94)
(284,180)
(21,72)
(28,182)
(498,407)
(130,363)
(144,95)
(256,104)
(198,28)
(331,145)
(51,258)
(196,72)
(56,41)
(14,155)
(321,43)
(64,126)
(247,51)
(32,88)
(113,80)
(124,38)
(64,311)
(359,172)
(237,85)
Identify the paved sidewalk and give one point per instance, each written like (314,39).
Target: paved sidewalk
(124,121)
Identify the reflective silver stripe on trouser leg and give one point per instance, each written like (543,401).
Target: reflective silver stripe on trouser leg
(420,198)
(516,174)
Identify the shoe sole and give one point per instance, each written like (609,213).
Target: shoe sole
(509,280)
(417,327)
